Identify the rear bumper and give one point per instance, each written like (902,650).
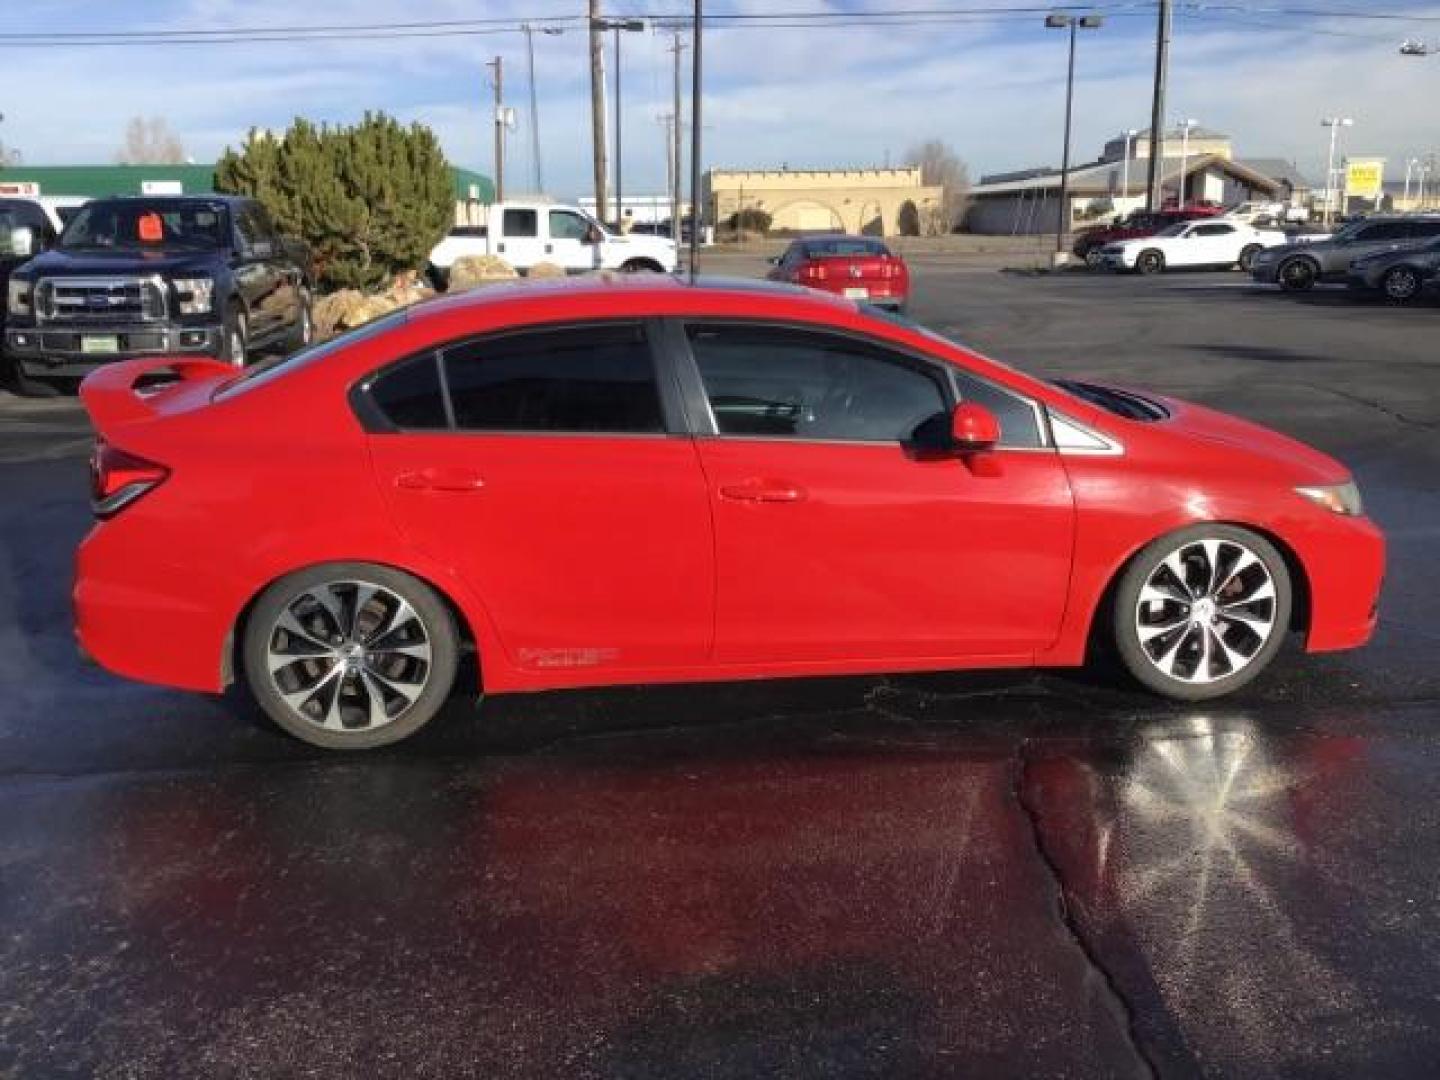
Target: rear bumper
(60,350)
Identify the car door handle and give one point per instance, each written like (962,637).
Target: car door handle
(549,249)
(460,480)
(767,491)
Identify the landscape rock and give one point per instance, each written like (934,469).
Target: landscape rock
(473,270)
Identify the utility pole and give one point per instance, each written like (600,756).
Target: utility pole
(695,92)
(597,110)
(676,141)
(536,175)
(619,26)
(499,129)
(668,121)
(1154,179)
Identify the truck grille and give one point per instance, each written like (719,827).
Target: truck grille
(100,300)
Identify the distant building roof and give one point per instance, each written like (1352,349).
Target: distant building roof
(1179,133)
(1106,177)
(1277,169)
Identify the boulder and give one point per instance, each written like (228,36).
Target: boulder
(338,311)
(546,270)
(473,270)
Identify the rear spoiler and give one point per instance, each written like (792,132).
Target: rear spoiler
(110,394)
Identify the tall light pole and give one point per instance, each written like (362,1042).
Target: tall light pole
(617,26)
(1130,134)
(1334,123)
(1410,164)
(1072,23)
(1186,126)
(677,143)
(536,171)
(597,113)
(695,89)
(499,129)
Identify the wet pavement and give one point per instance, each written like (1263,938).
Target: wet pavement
(1045,874)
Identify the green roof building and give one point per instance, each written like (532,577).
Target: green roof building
(472,189)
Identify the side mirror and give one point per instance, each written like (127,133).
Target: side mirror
(22,241)
(973,428)
(773,260)
(593,235)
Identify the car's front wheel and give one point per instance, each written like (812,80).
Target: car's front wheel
(1401,284)
(1150,262)
(350,656)
(1201,612)
(1247,257)
(236,339)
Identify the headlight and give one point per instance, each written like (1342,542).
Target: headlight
(1337,498)
(194,295)
(18,297)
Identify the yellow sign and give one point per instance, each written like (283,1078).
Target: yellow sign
(1363,179)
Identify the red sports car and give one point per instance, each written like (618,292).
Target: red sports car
(855,267)
(646,481)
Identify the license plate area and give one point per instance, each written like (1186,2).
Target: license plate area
(100,344)
(857,294)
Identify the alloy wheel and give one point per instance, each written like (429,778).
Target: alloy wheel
(1206,610)
(1402,283)
(349,656)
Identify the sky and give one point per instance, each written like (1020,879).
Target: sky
(990,84)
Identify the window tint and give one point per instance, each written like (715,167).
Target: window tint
(565,225)
(410,396)
(1386,230)
(578,379)
(1424,229)
(521,223)
(844,245)
(774,381)
(1214,230)
(1018,425)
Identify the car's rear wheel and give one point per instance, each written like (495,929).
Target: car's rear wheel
(1202,612)
(1092,258)
(641,266)
(1150,262)
(1401,284)
(350,656)
(1298,274)
(1247,257)
(304,331)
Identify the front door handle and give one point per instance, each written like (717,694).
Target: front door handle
(459,480)
(765,491)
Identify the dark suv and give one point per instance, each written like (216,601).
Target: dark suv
(1299,266)
(202,275)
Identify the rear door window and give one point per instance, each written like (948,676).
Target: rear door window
(521,224)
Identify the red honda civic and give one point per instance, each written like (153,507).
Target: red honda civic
(644,481)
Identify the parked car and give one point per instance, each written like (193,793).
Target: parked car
(1400,275)
(527,233)
(202,275)
(1140,223)
(721,481)
(1299,266)
(1191,245)
(27,226)
(856,267)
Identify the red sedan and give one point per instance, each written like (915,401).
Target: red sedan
(855,267)
(643,481)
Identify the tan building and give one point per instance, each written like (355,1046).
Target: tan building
(880,202)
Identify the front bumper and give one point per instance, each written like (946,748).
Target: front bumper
(1115,262)
(1266,272)
(60,349)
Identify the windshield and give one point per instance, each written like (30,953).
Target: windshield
(137,224)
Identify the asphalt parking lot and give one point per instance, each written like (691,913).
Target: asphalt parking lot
(1022,875)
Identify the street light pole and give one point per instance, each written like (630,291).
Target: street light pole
(1073,24)
(1155,180)
(617,25)
(1334,123)
(1125,173)
(695,89)
(1187,126)
(499,130)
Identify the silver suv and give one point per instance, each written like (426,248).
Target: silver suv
(1300,266)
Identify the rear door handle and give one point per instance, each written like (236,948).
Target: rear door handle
(767,491)
(460,480)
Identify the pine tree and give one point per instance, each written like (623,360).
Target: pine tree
(370,200)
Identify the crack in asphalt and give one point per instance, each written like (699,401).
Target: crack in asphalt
(1126,1013)
(1360,399)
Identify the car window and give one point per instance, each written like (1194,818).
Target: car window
(410,396)
(586,379)
(793,383)
(1217,229)
(1384,230)
(1019,422)
(567,225)
(1424,229)
(519,224)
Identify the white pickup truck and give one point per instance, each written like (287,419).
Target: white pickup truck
(527,233)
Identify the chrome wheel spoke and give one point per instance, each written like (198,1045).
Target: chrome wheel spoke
(407,689)
(298,699)
(330,604)
(1211,548)
(1234,657)
(1150,631)
(400,617)
(419,650)
(363,595)
(378,712)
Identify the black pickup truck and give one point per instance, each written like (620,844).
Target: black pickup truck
(199,275)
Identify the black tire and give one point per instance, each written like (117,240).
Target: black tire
(1247,257)
(1402,284)
(1298,274)
(641,266)
(1193,631)
(438,277)
(1092,258)
(28,387)
(1150,261)
(263,627)
(235,342)
(304,332)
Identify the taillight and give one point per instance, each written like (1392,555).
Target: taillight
(812,272)
(118,478)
